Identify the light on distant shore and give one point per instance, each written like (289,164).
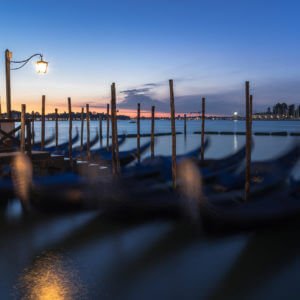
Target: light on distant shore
(235,113)
(41,66)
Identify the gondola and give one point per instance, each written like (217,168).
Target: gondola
(160,166)
(64,146)
(273,171)
(126,157)
(77,150)
(49,140)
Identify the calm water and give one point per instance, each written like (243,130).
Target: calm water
(83,256)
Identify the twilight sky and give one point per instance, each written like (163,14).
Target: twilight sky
(209,48)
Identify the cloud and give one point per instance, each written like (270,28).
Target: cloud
(265,94)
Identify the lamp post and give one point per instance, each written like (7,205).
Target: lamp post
(41,67)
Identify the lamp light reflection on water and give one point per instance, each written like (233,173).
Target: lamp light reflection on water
(51,276)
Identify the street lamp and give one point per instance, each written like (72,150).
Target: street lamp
(41,67)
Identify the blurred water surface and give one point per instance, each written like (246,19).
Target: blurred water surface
(86,256)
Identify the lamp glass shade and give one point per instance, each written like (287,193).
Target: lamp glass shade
(41,66)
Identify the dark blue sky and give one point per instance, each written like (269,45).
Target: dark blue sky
(209,48)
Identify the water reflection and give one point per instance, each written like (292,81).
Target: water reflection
(235,143)
(51,276)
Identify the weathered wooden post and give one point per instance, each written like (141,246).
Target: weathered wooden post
(184,124)
(8,56)
(82,126)
(115,131)
(70,132)
(202,129)
(138,118)
(28,129)
(172,105)
(100,126)
(248,146)
(43,123)
(113,153)
(107,128)
(250,119)
(56,128)
(152,130)
(32,126)
(88,131)
(23,121)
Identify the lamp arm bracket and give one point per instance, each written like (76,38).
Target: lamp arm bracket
(24,62)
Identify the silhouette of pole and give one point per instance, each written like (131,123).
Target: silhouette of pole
(184,124)
(56,128)
(32,127)
(138,131)
(70,132)
(43,123)
(113,145)
(100,126)
(82,127)
(202,129)
(8,56)
(23,112)
(115,136)
(88,131)
(152,130)
(172,105)
(107,128)
(248,146)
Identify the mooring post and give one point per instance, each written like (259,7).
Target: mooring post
(184,124)
(56,128)
(23,112)
(8,56)
(250,122)
(107,128)
(88,131)
(202,129)
(70,132)
(172,105)
(248,146)
(152,130)
(113,152)
(138,118)
(115,134)
(43,123)
(100,126)
(32,126)
(82,126)
(28,129)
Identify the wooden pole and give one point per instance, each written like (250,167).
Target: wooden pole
(250,119)
(113,153)
(43,123)
(172,105)
(28,128)
(8,56)
(100,126)
(152,130)
(138,131)
(88,130)
(100,130)
(56,128)
(70,132)
(22,144)
(32,127)
(202,129)
(82,126)
(185,124)
(107,128)
(115,133)
(248,149)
